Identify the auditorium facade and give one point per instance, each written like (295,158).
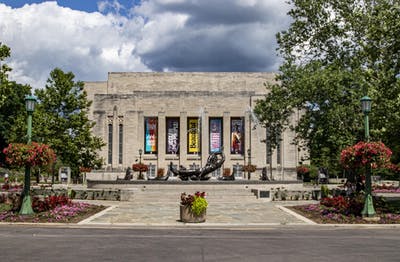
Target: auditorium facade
(159,118)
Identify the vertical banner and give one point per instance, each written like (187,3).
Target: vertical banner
(215,135)
(151,135)
(237,136)
(193,135)
(172,135)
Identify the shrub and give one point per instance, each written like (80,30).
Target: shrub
(48,203)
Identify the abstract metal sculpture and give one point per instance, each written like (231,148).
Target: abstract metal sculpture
(214,161)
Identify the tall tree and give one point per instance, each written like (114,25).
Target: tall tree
(12,103)
(62,122)
(334,53)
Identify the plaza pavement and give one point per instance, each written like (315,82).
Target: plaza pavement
(221,215)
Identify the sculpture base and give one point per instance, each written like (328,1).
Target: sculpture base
(188,216)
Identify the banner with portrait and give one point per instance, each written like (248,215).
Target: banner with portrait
(237,136)
(215,135)
(193,135)
(151,125)
(172,135)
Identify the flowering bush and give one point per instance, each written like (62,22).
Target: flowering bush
(362,153)
(34,154)
(302,170)
(197,202)
(249,168)
(140,167)
(85,169)
(385,189)
(50,202)
(342,205)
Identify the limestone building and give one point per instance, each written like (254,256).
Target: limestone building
(158,118)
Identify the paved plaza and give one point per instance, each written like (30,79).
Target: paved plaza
(257,213)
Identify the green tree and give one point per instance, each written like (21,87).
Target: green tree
(62,122)
(12,104)
(334,53)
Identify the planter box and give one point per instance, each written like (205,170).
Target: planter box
(188,216)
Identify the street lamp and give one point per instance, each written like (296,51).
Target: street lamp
(140,162)
(26,208)
(368,210)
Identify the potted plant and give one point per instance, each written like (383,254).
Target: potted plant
(140,168)
(193,207)
(303,173)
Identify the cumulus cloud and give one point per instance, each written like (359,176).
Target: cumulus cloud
(45,36)
(154,35)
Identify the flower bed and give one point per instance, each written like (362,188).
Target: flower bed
(52,209)
(341,210)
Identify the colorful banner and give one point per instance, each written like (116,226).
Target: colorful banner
(172,135)
(193,135)
(151,135)
(237,136)
(215,135)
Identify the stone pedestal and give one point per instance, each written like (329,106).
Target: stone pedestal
(188,216)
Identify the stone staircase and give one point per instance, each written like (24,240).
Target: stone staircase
(170,194)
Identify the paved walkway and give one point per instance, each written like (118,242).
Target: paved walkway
(255,213)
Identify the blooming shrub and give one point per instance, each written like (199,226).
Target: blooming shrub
(301,170)
(140,167)
(249,168)
(85,169)
(362,153)
(34,154)
(50,202)
(342,205)
(385,189)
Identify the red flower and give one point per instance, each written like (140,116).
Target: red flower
(140,167)
(34,154)
(362,153)
(301,170)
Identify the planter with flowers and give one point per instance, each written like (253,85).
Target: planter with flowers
(141,168)
(193,208)
(303,173)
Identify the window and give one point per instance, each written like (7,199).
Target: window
(110,143)
(120,143)
(151,172)
(172,135)
(268,145)
(238,170)
(151,135)
(216,173)
(278,150)
(215,135)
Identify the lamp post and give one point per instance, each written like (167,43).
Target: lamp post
(249,163)
(368,210)
(140,162)
(26,208)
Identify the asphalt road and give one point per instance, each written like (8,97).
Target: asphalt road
(305,243)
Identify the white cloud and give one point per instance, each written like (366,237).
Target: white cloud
(45,36)
(175,35)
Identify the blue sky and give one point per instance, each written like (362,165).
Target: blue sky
(92,38)
(82,5)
